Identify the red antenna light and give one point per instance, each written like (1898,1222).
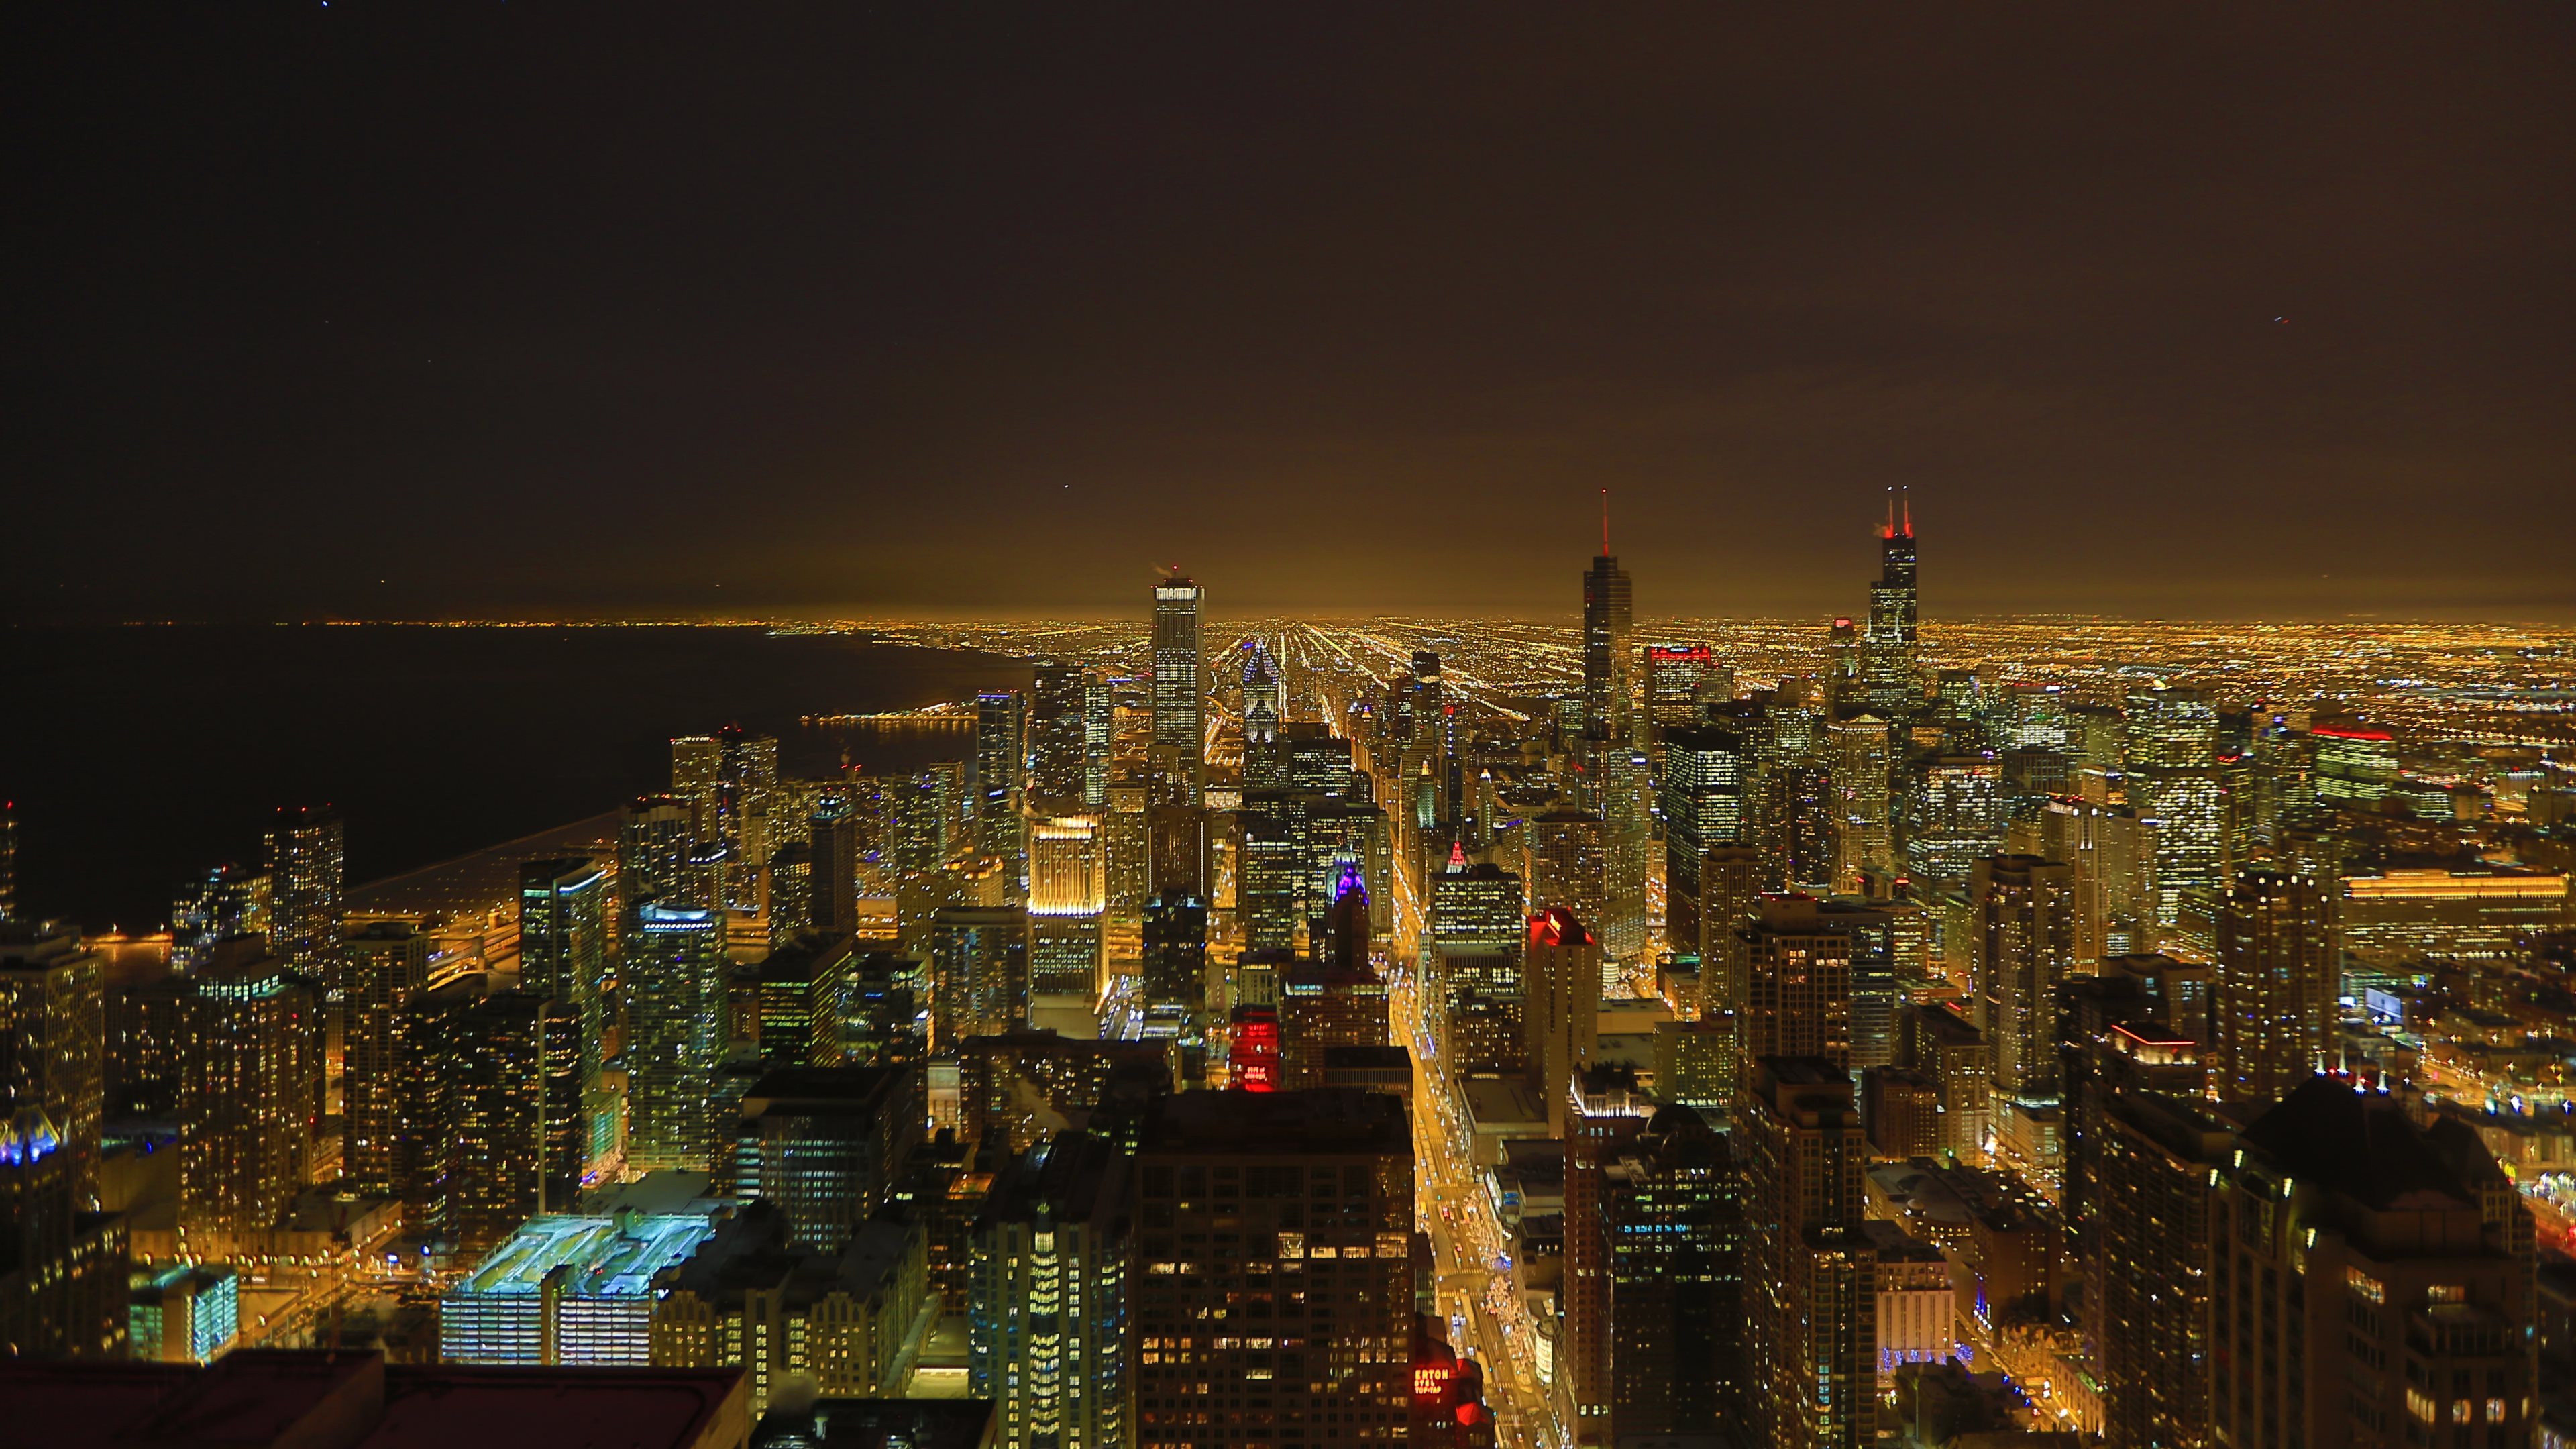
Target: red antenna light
(1605,523)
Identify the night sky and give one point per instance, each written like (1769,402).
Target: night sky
(535,309)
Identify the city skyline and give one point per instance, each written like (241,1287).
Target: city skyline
(1221,729)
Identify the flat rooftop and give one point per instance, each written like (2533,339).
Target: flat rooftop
(607,1259)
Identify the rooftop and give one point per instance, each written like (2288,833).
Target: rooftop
(1332,1120)
(353,1400)
(605,1257)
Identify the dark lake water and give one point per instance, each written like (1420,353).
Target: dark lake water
(139,755)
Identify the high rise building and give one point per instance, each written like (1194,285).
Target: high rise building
(675,1038)
(827,1145)
(1798,989)
(2275,994)
(2172,779)
(979,972)
(804,984)
(386,964)
(1059,733)
(225,902)
(1313,1271)
(1048,1322)
(563,955)
(2147,1290)
(250,1095)
(308,892)
(1621,778)
(2372,1282)
(1956,812)
(1561,971)
(1068,896)
(1673,675)
(1810,1270)
(1175,951)
(1888,647)
(1705,770)
(2024,948)
(1019,1086)
(62,1269)
(1099,739)
(1001,767)
(492,1130)
(2112,863)
(833,882)
(1859,764)
(1479,921)
(1605,1114)
(2355,764)
(1179,750)
(1654,1229)
(697,781)
(1944,1046)
(1843,691)
(53,1048)
(1564,863)
(1609,609)
(1729,894)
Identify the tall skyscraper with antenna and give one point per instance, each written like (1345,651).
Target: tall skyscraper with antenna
(1887,649)
(1616,781)
(1609,607)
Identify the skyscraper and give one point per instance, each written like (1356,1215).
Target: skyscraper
(1561,970)
(250,1095)
(2148,1276)
(2275,994)
(2025,947)
(1001,766)
(979,972)
(1059,742)
(2172,773)
(386,965)
(1609,607)
(827,1144)
(1704,808)
(2112,863)
(1313,1270)
(224,902)
(2371,1280)
(1479,924)
(1810,1270)
(1858,767)
(1673,675)
(305,876)
(493,1129)
(1067,897)
(53,1049)
(1179,750)
(1798,989)
(1653,1231)
(62,1269)
(1048,1318)
(1887,649)
(833,833)
(563,955)
(803,985)
(674,993)
(1175,951)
